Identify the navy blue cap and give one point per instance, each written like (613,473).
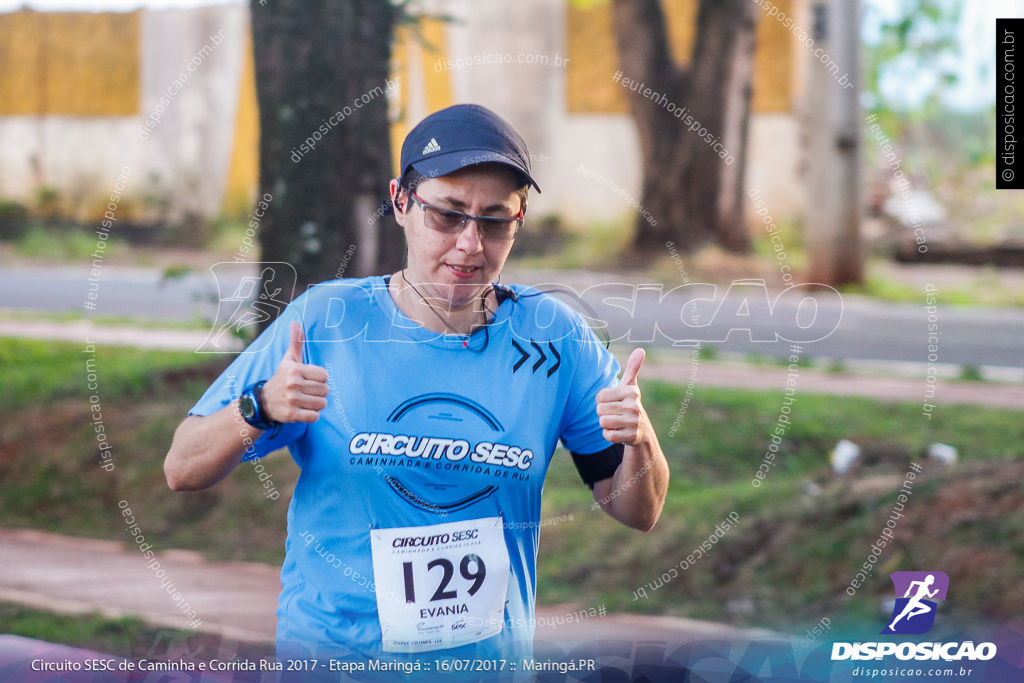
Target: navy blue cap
(464,135)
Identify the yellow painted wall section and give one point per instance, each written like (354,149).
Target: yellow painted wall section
(430,44)
(773,63)
(593,60)
(69,63)
(682,28)
(399,69)
(243,172)
(19,63)
(437,83)
(594,56)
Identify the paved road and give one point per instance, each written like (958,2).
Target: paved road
(743,316)
(826,324)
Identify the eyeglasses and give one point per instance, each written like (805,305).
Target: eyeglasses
(452,222)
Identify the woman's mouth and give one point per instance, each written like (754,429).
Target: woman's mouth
(462,272)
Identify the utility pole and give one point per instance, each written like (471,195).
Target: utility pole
(833,213)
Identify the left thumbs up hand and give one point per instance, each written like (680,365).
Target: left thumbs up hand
(619,411)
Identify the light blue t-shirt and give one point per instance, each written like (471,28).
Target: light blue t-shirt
(421,430)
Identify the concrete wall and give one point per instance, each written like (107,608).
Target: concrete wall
(189,150)
(545,65)
(487,59)
(574,118)
(184,158)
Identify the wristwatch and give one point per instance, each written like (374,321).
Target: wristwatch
(249,405)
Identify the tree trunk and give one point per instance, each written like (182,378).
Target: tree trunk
(325,153)
(692,193)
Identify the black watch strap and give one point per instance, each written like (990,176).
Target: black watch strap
(256,417)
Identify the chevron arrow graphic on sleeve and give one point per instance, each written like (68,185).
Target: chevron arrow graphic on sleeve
(524,355)
(540,361)
(522,358)
(558,364)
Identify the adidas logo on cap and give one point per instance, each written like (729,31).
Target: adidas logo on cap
(431,147)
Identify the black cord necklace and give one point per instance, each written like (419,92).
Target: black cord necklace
(465,337)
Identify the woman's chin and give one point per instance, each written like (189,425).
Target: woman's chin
(463,293)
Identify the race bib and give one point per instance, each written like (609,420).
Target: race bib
(440,586)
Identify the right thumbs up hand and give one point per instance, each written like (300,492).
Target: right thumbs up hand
(297,392)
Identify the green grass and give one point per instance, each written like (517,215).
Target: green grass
(971,373)
(100,320)
(878,287)
(792,235)
(794,550)
(94,632)
(67,244)
(141,396)
(227,235)
(707,352)
(36,372)
(126,637)
(835,366)
(724,429)
(595,246)
(987,288)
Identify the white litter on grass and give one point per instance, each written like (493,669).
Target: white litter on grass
(844,455)
(944,453)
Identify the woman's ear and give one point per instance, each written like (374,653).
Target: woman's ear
(395,187)
(398,200)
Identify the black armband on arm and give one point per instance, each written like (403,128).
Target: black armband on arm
(593,467)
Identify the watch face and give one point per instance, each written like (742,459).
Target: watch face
(247,406)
